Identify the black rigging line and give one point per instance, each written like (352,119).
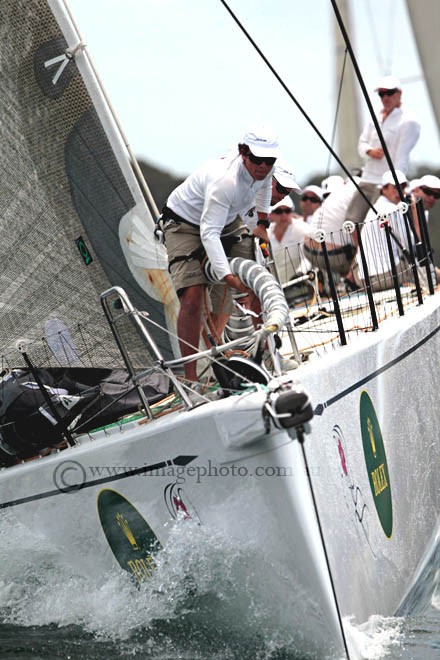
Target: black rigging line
(367,98)
(296,102)
(381,138)
(300,436)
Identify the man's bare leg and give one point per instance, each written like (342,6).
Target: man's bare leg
(189,323)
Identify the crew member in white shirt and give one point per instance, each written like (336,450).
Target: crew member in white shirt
(206,209)
(286,236)
(400,130)
(328,220)
(283,183)
(374,239)
(311,199)
(330,184)
(427,188)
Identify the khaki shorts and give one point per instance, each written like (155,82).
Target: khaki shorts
(358,207)
(182,239)
(340,257)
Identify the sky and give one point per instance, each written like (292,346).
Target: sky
(185,82)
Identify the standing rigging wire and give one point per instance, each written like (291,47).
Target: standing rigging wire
(301,439)
(382,142)
(306,116)
(296,102)
(367,98)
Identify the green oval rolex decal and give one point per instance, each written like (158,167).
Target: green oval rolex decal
(129,536)
(376,461)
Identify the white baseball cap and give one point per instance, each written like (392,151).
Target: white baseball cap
(388,82)
(283,173)
(287,201)
(430,181)
(413,184)
(262,141)
(387,177)
(331,183)
(316,190)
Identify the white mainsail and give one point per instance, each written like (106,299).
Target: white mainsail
(73,218)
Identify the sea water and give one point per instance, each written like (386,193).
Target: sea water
(205,600)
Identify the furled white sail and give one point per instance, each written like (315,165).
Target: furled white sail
(425,20)
(349,125)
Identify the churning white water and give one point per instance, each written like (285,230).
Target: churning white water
(207,599)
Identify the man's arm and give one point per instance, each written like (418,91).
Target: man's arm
(408,135)
(212,224)
(263,199)
(364,143)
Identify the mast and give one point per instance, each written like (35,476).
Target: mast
(348,125)
(425,20)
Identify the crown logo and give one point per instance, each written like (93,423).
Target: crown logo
(371,434)
(123,524)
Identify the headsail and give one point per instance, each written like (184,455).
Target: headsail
(73,220)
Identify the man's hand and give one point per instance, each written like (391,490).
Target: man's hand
(235,282)
(375,153)
(260,232)
(249,301)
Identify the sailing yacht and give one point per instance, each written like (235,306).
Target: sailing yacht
(328,471)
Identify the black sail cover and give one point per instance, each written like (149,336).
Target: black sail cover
(73,220)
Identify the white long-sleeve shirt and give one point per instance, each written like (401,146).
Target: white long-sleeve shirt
(213,196)
(401,131)
(330,216)
(288,252)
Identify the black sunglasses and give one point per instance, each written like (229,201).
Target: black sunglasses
(281,189)
(430,193)
(281,210)
(387,92)
(307,198)
(259,160)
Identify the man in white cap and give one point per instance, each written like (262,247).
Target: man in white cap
(400,130)
(283,183)
(286,236)
(205,210)
(374,239)
(330,184)
(427,188)
(311,199)
(328,220)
